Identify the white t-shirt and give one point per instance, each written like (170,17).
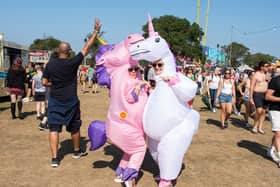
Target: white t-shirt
(227,88)
(215,82)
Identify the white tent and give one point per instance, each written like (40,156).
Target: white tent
(244,67)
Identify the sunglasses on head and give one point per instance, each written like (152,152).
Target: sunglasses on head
(157,65)
(133,69)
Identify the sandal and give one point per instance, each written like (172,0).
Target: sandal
(261,132)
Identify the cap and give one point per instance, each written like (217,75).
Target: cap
(277,64)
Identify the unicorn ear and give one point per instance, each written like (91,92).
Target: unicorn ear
(151,27)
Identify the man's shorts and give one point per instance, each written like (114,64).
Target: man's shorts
(275,119)
(65,112)
(259,100)
(73,127)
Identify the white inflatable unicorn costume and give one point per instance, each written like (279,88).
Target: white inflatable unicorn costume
(168,120)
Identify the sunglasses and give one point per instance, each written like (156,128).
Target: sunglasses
(157,65)
(133,69)
(227,73)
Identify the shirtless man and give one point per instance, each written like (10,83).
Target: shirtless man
(258,89)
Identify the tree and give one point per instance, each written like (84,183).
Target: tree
(236,53)
(49,44)
(94,49)
(183,38)
(254,59)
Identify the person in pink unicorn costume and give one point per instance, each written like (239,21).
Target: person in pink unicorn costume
(128,96)
(168,121)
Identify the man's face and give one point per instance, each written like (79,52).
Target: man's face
(265,68)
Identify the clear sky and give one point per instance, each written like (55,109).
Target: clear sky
(23,21)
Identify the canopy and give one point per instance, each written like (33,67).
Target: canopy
(244,67)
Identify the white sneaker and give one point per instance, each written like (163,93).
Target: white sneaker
(118,179)
(25,100)
(214,110)
(130,183)
(271,154)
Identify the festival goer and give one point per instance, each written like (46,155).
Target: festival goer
(239,97)
(90,72)
(15,81)
(63,104)
(189,73)
(273,96)
(39,92)
(213,86)
(226,96)
(258,88)
(94,81)
(44,122)
(246,97)
(135,90)
(83,77)
(29,74)
(169,122)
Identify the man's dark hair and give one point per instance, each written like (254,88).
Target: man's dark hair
(262,63)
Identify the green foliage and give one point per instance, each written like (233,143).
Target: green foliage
(49,44)
(94,49)
(254,59)
(183,37)
(237,52)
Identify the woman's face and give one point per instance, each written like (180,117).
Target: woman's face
(133,71)
(227,74)
(158,67)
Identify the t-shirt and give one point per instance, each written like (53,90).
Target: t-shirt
(38,83)
(62,73)
(275,85)
(90,71)
(215,82)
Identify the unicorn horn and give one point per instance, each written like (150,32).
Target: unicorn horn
(151,27)
(101,41)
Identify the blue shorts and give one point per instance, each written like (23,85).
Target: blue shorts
(225,98)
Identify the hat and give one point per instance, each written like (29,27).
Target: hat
(277,64)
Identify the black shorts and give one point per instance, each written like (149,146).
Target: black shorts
(259,100)
(40,96)
(29,85)
(72,127)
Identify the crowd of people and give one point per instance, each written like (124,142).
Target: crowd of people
(258,90)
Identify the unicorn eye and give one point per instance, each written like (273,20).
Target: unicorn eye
(157,40)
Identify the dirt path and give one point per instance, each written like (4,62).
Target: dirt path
(231,157)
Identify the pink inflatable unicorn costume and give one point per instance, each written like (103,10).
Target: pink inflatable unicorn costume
(168,121)
(124,126)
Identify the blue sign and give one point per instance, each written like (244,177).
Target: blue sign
(3,75)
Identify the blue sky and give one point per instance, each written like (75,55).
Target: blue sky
(70,20)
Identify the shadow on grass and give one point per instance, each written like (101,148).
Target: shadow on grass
(213,122)
(25,114)
(66,147)
(4,108)
(254,147)
(148,164)
(238,123)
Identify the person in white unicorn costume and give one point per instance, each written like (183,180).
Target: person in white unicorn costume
(169,122)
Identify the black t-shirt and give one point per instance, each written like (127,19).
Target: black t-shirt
(62,73)
(275,85)
(16,78)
